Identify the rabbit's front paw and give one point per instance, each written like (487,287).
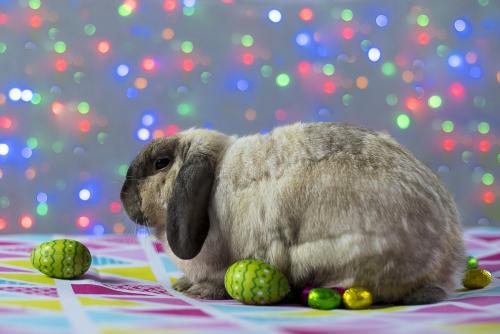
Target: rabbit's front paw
(207,290)
(182,284)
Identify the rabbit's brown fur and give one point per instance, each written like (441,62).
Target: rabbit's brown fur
(327,204)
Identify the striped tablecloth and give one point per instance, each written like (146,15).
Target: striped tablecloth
(128,290)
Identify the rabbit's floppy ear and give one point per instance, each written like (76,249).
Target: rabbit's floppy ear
(187,211)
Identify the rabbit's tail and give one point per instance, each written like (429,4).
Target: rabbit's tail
(425,295)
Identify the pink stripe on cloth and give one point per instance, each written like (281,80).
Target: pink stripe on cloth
(192,312)
(92,289)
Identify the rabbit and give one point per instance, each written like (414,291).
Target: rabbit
(327,204)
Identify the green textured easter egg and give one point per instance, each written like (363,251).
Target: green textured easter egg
(256,283)
(61,258)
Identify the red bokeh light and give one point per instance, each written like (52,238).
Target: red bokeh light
(4,18)
(169,5)
(304,67)
(57,107)
(61,65)
(5,122)
(423,38)
(413,104)
(347,33)
(306,14)
(484,146)
(247,58)
(115,207)
(171,130)
(83,221)
(84,126)
(3,224)
(148,64)
(103,47)
(35,21)
(280,114)
(457,90)
(448,145)
(489,197)
(187,65)
(329,87)
(26,222)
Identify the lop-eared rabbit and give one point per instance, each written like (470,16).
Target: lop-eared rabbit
(327,204)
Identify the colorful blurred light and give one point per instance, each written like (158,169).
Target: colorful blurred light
(26,221)
(274,15)
(457,90)
(148,64)
(374,54)
(381,20)
(403,121)
(448,145)
(83,221)
(103,47)
(282,80)
(306,14)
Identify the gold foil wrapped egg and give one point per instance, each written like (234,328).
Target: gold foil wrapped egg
(357,298)
(477,278)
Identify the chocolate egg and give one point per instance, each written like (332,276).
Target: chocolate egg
(61,258)
(357,298)
(323,299)
(254,282)
(477,278)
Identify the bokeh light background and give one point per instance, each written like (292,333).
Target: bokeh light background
(84,84)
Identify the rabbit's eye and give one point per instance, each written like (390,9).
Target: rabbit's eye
(161,163)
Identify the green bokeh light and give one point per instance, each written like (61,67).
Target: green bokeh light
(187,47)
(483,128)
(466,156)
(59,47)
(188,11)
(101,137)
(423,20)
(184,109)
(283,80)
(403,121)
(391,100)
(124,10)
(53,33)
(32,143)
(346,15)
(483,3)
(89,29)
(77,77)
(346,99)
(4,202)
(205,76)
(83,107)
(435,101)
(479,101)
(447,126)
(42,209)
(122,170)
(266,71)
(36,99)
(388,69)
(57,146)
(60,184)
(488,179)
(328,69)
(3,47)
(441,50)
(247,41)
(34,4)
